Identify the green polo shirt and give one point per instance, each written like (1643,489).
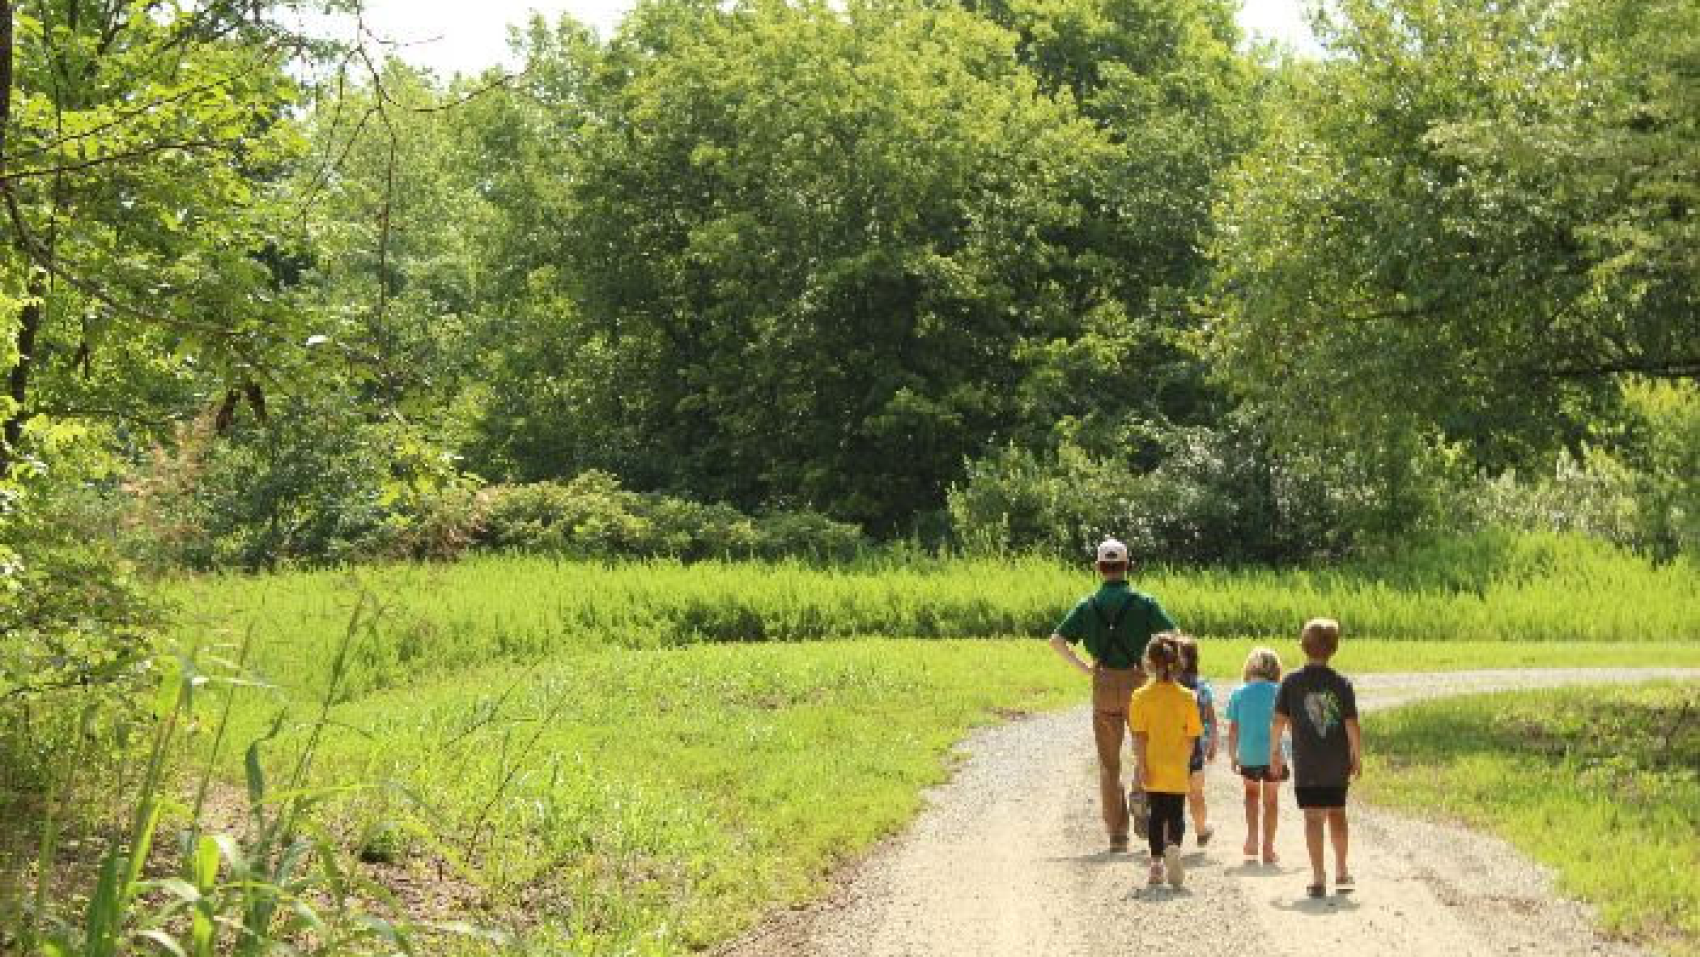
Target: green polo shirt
(1144,619)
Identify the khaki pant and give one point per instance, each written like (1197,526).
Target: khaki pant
(1112,688)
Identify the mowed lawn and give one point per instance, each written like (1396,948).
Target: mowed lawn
(1603,784)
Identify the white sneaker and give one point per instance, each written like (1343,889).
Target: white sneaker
(1172,862)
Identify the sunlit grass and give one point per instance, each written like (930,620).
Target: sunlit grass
(1601,783)
(441,618)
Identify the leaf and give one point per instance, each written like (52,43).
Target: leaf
(177,887)
(165,941)
(256,775)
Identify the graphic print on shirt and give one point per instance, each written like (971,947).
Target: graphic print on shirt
(1323,709)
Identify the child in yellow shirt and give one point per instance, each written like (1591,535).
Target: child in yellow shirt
(1165,724)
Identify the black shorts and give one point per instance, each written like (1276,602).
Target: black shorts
(1319,798)
(1261,773)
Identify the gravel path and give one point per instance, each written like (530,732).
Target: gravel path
(1007,860)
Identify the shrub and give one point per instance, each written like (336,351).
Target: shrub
(1217,495)
(592,516)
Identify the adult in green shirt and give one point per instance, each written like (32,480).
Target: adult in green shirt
(1115,623)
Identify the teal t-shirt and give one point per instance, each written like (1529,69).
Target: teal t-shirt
(1141,619)
(1252,707)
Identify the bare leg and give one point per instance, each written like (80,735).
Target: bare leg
(1271,814)
(1251,818)
(1314,818)
(1195,799)
(1339,833)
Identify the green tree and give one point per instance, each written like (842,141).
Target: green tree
(140,151)
(1467,224)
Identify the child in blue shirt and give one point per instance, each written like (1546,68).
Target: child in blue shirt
(1251,711)
(1204,749)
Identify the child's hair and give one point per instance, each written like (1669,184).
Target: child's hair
(1187,645)
(1262,663)
(1163,654)
(1320,638)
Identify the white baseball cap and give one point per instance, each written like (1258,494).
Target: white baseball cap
(1110,550)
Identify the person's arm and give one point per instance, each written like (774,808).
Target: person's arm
(1139,740)
(1277,761)
(1234,745)
(1354,738)
(1210,723)
(1066,652)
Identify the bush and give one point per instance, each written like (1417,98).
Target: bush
(78,631)
(592,516)
(1217,495)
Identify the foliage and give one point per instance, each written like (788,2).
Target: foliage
(1468,224)
(78,626)
(311,484)
(1533,767)
(142,150)
(279,882)
(593,517)
(1643,495)
(935,265)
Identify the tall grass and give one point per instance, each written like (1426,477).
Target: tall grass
(278,883)
(447,617)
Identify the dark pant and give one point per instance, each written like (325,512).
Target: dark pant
(1168,820)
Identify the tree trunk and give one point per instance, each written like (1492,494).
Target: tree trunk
(19,380)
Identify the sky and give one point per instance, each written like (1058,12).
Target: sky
(457,36)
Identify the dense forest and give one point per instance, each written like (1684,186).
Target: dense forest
(764,278)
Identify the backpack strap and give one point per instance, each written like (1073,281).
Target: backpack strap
(1114,625)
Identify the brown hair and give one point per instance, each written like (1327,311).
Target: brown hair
(1163,654)
(1262,663)
(1320,638)
(1187,645)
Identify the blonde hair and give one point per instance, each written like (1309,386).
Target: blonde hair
(1320,637)
(1262,663)
(1163,654)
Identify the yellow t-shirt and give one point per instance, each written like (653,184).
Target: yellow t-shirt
(1167,714)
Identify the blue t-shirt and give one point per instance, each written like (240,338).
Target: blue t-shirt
(1252,706)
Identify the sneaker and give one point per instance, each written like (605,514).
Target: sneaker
(1118,845)
(1156,877)
(1177,870)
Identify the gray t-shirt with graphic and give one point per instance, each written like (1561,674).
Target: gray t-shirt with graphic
(1318,701)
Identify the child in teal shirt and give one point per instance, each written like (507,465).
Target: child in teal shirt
(1251,711)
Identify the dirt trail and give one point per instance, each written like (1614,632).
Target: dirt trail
(1007,860)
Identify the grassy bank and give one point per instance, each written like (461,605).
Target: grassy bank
(440,618)
(1601,784)
(623,801)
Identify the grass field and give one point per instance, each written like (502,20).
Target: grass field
(643,758)
(666,797)
(1602,784)
(440,619)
